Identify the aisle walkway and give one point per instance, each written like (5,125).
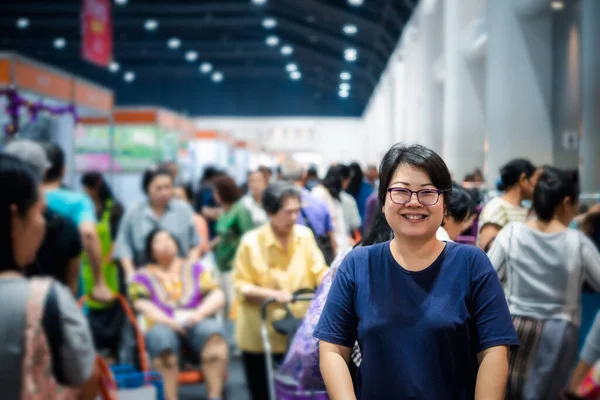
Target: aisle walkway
(236,387)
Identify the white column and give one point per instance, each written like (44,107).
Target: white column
(590,62)
(464,122)
(518,84)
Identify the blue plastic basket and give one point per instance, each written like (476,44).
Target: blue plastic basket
(127,377)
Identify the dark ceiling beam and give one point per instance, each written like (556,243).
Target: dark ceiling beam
(335,14)
(170,8)
(187,22)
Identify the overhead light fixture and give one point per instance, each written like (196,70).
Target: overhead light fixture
(269,23)
(206,67)
(114,66)
(129,76)
(151,24)
(344,87)
(121,2)
(356,3)
(291,67)
(217,77)
(345,76)
(174,43)
(191,56)
(259,2)
(350,29)
(343,94)
(60,43)
(350,54)
(272,41)
(557,5)
(295,75)
(287,50)
(22,23)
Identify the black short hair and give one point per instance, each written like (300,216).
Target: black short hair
(276,193)
(150,238)
(188,191)
(152,173)
(21,184)
(333,181)
(227,189)
(511,172)
(551,189)
(344,171)
(357,176)
(416,156)
(56,157)
(460,204)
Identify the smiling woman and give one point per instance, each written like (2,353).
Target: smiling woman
(430,317)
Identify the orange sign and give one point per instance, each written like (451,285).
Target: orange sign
(45,82)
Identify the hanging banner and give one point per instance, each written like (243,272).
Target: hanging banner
(96,31)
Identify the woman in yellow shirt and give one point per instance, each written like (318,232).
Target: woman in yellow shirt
(273,261)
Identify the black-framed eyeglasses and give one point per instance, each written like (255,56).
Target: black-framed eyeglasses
(427,197)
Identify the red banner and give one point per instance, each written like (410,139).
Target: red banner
(96,27)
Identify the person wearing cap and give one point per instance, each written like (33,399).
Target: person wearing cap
(59,254)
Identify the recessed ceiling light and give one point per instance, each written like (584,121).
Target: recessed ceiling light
(350,29)
(311,19)
(217,77)
(344,93)
(291,67)
(557,5)
(269,23)
(129,76)
(287,50)
(151,24)
(344,87)
(272,41)
(60,43)
(191,56)
(295,75)
(350,54)
(345,76)
(259,2)
(205,67)
(114,66)
(121,2)
(355,3)
(22,23)
(174,43)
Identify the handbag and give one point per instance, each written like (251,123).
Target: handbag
(323,241)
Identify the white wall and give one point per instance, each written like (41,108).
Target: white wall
(334,139)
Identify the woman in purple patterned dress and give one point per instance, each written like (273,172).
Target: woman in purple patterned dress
(178,300)
(300,369)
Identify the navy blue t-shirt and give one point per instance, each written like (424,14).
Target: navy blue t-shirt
(419,332)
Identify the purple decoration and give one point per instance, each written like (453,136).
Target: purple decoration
(16,101)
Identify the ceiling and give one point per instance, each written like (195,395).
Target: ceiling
(231,36)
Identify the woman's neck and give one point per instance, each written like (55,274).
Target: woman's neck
(166,265)
(552,226)
(257,198)
(513,196)
(282,237)
(158,210)
(416,254)
(227,207)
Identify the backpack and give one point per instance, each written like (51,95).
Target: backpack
(38,382)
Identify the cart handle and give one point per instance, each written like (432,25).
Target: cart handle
(298,296)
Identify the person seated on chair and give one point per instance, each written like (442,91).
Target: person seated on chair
(178,300)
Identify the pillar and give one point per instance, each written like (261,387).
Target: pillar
(518,83)
(590,68)
(464,122)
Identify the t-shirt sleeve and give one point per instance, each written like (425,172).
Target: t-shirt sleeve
(498,253)
(493,213)
(206,279)
(84,210)
(194,238)
(590,353)
(338,322)
(138,289)
(328,224)
(76,354)
(72,239)
(591,262)
(123,246)
(492,324)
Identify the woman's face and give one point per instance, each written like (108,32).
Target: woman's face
(160,190)
(28,232)
(164,247)
(413,219)
(257,183)
(527,185)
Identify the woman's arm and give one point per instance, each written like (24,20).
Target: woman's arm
(580,372)
(334,360)
(493,373)
(156,315)
(214,302)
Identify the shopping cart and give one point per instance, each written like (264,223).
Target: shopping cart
(280,387)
